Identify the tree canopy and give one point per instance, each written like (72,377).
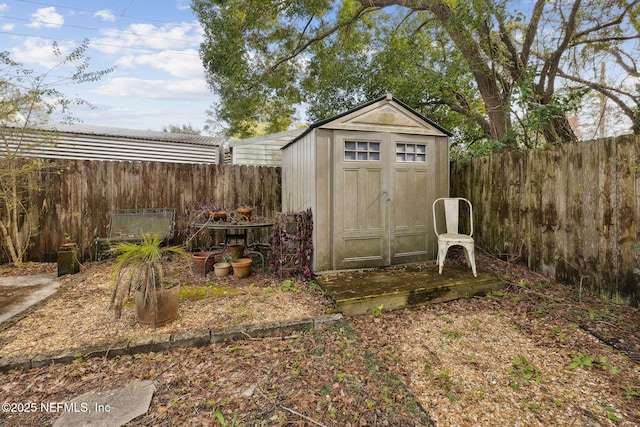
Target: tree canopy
(184,128)
(497,71)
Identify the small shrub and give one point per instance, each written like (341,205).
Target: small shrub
(377,310)
(581,360)
(452,333)
(289,285)
(522,370)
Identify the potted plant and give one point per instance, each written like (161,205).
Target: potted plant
(138,268)
(223,268)
(241,267)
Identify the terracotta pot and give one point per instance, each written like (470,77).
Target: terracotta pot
(166,307)
(199,259)
(242,267)
(245,213)
(221,269)
(218,216)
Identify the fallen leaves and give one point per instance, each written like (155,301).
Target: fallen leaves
(505,359)
(78,317)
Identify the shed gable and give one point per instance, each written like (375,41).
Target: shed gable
(384,116)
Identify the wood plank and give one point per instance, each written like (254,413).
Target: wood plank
(571,211)
(74,198)
(357,292)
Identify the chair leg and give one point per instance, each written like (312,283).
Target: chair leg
(469,252)
(473,263)
(442,254)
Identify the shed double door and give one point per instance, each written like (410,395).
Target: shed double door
(383,189)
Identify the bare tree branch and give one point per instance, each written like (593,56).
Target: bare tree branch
(606,91)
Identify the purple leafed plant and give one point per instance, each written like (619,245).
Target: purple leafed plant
(292,245)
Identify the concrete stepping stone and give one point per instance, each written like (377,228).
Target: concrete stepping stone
(19,293)
(108,408)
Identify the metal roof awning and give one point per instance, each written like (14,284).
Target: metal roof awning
(282,138)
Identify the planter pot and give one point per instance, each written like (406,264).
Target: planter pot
(166,307)
(218,216)
(242,267)
(199,259)
(221,269)
(245,213)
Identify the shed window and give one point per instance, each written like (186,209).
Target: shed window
(361,150)
(411,152)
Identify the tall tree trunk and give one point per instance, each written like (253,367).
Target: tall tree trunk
(496,106)
(559,130)
(9,245)
(495,101)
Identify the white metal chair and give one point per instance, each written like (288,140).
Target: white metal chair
(453,237)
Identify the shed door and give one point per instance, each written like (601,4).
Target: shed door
(361,236)
(413,191)
(383,190)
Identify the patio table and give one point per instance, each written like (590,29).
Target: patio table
(236,231)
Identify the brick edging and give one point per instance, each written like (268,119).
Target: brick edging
(163,342)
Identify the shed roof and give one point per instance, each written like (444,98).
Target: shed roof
(83,129)
(84,142)
(352,120)
(281,138)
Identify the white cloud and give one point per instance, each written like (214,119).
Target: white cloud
(7,27)
(147,36)
(4,7)
(154,89)
(149,115)
(183,4)
(182,64)
(38,52)
(105,15)
(46,17)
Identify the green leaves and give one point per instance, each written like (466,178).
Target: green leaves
(584,361)
(487,69)
(251,57)
(138,266)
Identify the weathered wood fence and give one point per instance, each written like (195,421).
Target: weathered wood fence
(76,202)
(571,212)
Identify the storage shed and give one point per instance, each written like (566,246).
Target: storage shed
(369,176)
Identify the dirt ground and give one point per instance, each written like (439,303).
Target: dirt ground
(537,354)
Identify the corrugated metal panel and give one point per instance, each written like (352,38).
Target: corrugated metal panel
(171,148)
(123,133)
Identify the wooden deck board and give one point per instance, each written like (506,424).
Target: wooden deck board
(357,292)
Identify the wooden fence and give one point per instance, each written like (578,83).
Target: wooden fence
(75,203)
(571,212)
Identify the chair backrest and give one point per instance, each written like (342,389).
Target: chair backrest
(135,223)
(452,214)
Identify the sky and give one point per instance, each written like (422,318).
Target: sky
(159,78)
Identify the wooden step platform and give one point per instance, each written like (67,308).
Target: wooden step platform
(358,292)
